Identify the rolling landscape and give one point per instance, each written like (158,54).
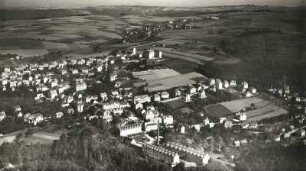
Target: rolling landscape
(110,87)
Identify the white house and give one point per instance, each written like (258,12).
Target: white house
(80,85)
(165,95)
(142,99)
(2,115)
(157,97)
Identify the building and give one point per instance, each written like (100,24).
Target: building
(142,99)
(157,97)
(107,116)
(2,115)
(165,95)
(187,98)
(152,125)
(168,120)
(162,154)
(53,94)
(115,105)
(203,94)
(152,54)
(191,154)
(59,114)
(219,84)
(80,86)
(129,130)
(80,106)
(33,119)
(134,51)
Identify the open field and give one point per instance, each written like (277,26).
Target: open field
(174,81)
(262,109)
(8,137)
(25,52)
(38,137)
(155,74)
(171,53)
(180,65)
(42,138)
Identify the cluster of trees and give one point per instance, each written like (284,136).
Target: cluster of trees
(273,158)
(86,149)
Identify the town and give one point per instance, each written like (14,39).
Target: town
(133,88)
(151,102)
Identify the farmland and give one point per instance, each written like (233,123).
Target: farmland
(255,108)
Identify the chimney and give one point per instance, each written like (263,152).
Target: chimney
(157,133)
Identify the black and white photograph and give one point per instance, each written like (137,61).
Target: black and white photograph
(152,85)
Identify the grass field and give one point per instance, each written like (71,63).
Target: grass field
(262,109)
(11,44)
(180,65)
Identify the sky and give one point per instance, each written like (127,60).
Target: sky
(178,3)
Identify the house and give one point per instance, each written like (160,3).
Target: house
(192,90)
(248,94)
(80,106)
(80,85)
(178,93)
(142,99)
(115,93)
(237,143)
(212,82)
(129,130)
(183,129)
(190,154)
(53,94)
(134,52)
(168,120)
(150,114)
(115,105)
(157,98)
(91,97)
(70,111)
(203,94)
(39,96)
(33,118)
(226,84)
(302,133)
(219,84)
(54,83)
(138,106)
(59,115)
(113,77)
(152,125)
(75,71)
(245,86)
(253,90)
(2,115)
(162,154)
(152,54)
(17,108)
(242,116)
(286,89)
(165,95)
(107,116)
(103,96)
(187,98)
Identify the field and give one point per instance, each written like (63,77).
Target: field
(68,33)
(180,65)
(155,74)
(174,81)
(38,137)
(25,52)
(261,109)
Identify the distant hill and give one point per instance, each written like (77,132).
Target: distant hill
(30,14)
